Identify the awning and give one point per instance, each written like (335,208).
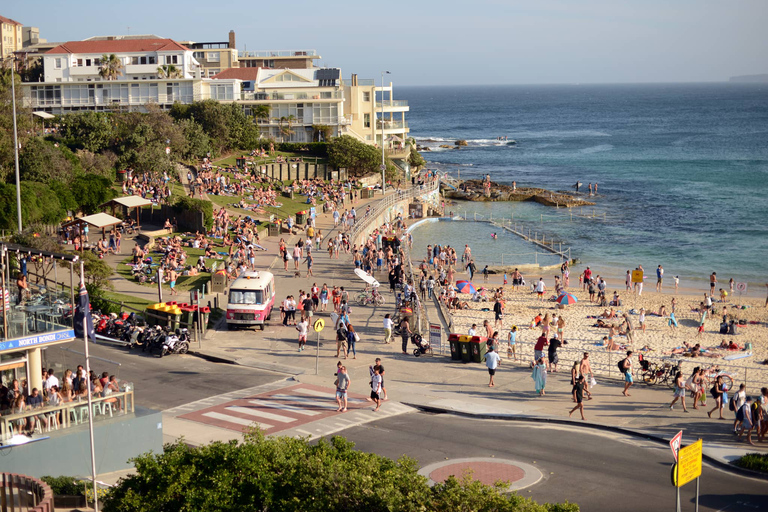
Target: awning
(97,220)
(129,202)
(394,138)
(43,115)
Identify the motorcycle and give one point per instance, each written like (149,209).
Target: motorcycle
(176,342)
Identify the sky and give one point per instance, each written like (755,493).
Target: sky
(478,42)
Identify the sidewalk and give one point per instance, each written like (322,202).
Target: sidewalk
(439,384)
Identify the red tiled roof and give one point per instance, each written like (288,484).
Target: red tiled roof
(238,73)
(9,21)
(118,46)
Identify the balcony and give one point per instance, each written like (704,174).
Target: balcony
(360,81)
(393,106)
(268,97)
(398,153)
(271,54)
(392,125)
(141,69)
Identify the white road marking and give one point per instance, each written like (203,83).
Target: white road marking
(284,407)
(234,419)
(261,414)
(305,400)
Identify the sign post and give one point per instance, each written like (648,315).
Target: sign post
(318,326)
(688,468)
(741,288)
(435,337)
(675,445)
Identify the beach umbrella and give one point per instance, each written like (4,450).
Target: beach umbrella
(465,287)
(566,299)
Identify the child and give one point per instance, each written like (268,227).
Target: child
(641,320)
(512,340)
(505,278)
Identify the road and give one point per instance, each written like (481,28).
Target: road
(600,471)
(159,383)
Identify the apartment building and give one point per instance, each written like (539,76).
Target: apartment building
(375,117)
(214,57)
(304,104)
(11,37)
(278,59)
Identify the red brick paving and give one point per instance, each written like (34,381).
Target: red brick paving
(486,472)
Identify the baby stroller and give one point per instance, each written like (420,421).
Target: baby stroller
(422,345)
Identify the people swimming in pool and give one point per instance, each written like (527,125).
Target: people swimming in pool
(494,236)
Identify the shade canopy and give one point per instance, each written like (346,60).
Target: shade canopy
(43,115)
(129,202)
(97,220)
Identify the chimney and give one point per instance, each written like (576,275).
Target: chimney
(232,39)
(354,79)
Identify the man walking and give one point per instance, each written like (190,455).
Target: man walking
(659,277)
(342,385)
(626,369)
(498,311)
(540,289)
(302,328)
(378,366)
(578,392)
(376,388)
(585,369)
(492,360)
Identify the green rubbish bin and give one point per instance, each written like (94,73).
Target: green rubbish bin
(301,218)
(453,341)
(466,351)
(478,346)
(274,229)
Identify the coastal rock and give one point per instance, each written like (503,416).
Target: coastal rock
(472,190)
(446,146)
(461,142)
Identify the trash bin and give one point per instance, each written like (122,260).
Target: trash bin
(366,193)
(121,175)
(155,315)
(478,347)
(466,354)
(453,341)
(274,229)
(219,282)
(301,218)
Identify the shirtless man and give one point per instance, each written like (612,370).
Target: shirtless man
(585,369)
(712,283)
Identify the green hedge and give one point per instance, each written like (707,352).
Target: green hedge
(64,485)
(754,461)
(184,203)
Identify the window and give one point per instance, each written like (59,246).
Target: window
(79,62)
(222,92)
(176,91)
(143,60)
(57,63)
(367,120)
(88,62)
(366,96)
(288,77)
(246,296)
(171,59)
(134,61)
(143,93)
(269,63)
(152,60)
(199,55)
(214,57)
(213,72)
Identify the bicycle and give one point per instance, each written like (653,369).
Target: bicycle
(366,298)
(713,372)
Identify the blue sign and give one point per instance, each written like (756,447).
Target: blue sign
(38,339)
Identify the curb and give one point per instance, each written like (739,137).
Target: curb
(211,358)
(725,466)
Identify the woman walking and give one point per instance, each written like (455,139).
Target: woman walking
(719,393)
(539,376)
(351,340)
(679,391)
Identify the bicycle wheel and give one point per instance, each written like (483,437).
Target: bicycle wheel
(669,379)
(362,300)
(727,381)
(380,300)
(649,377)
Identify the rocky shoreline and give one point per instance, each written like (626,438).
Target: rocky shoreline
(472,190)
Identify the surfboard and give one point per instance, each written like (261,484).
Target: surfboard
(738,356)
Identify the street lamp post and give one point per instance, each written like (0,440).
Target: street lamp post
(16,143)
(383,162)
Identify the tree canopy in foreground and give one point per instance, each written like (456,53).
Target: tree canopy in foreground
(286,474)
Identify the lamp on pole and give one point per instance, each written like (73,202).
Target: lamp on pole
(15,143)
(383,162)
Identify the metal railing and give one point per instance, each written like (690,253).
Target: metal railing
(279,53)
(66,414)
(392,103)
(360,82)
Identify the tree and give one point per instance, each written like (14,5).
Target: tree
(355,156)
(90,191)
(261,112)
(285,126)
(39,204)
(44,161)
(111,67)
(286,475)
(198,144)
(23,119)
(169,71)
(92,131)
(415,159)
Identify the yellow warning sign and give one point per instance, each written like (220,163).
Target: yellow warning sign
(318,325)
(689,461)
(637,276)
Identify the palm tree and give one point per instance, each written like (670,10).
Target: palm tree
(285,126)
(111,67)
(169,71)
(261,112)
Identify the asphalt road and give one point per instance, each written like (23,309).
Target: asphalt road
(599,471)
(159,383)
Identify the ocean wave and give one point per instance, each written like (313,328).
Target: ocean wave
(561,134)
(597,149)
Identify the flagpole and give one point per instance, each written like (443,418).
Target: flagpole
(86,312)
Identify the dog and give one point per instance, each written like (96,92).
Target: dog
(297,273)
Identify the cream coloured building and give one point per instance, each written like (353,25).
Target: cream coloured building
(12,39)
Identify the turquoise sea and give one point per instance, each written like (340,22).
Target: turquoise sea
(682,170)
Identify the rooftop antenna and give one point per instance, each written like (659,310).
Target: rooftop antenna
(129,30)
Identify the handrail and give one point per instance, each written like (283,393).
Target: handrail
(6,421)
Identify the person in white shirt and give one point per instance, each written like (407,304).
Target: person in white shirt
(740,397)
(376,388)
(51,380)
(473,330)
(302,328)
(388,324)
(541,288)
(492,360)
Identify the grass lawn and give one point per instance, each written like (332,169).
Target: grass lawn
(128,300)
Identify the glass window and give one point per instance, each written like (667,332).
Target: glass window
(246,297)
(152,60)
(214,57)
(57,63)
(134,61)
(367,120)
(366,96)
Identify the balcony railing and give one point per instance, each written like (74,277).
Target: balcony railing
(279,53)
(392,125)
(291,96)
(360,81)
(392,103)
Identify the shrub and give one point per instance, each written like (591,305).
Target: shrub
(186,203)
(64,485)
(754,461)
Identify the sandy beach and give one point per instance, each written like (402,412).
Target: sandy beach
(581,333)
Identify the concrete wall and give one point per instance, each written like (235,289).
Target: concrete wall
(67,452)
(301,171)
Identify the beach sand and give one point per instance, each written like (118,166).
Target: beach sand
(522,306)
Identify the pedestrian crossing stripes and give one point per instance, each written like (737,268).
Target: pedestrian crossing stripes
(277,410)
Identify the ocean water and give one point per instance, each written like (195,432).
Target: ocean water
(682,169)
